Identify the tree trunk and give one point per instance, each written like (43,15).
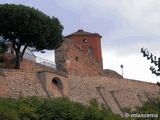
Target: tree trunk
(16,48)
(17,62)
(19,54)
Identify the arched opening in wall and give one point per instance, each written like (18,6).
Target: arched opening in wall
(58,83)
(90,50)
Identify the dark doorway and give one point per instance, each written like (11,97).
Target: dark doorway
(58,83)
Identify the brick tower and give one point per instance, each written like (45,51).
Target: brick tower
(90,41)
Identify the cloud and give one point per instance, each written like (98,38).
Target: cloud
(131,33)
(135,67)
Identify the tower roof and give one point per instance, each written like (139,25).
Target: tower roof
(81,32)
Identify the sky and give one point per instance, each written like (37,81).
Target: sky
(126,26)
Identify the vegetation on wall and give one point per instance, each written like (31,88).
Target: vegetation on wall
(150,110)
(25,26)
(34,108)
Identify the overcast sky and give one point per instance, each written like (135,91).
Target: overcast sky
(125,26)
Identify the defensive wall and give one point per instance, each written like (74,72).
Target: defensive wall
(112,92)
(81,80)
(15,83)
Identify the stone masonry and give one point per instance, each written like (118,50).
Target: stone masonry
(72,58)
(112,92)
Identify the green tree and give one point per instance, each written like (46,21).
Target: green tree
(25,26)
(35,108)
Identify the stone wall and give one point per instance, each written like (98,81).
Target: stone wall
(15,83)
(55,84)
(31,65)
(3,89)
(114,93)
(72,58)
(44,83)
(8,62)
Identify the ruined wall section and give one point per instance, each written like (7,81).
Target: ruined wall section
(73,59)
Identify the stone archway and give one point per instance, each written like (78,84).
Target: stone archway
(58,83)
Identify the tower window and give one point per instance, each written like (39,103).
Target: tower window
(90,50)
(85,40)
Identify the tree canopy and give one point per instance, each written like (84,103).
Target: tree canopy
(25,26)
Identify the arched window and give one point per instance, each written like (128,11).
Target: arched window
(90,50)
